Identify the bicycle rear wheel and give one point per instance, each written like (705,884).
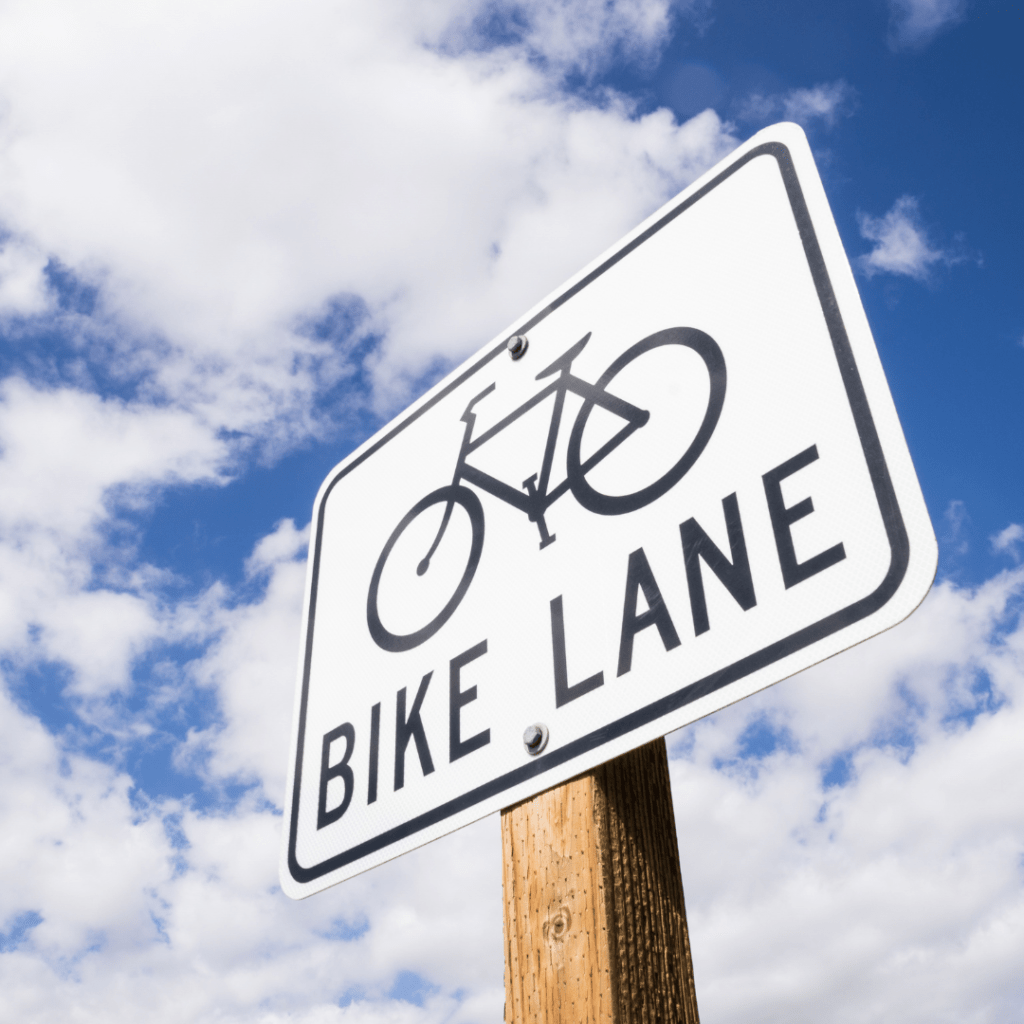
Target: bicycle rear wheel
(397,642)
(618,504)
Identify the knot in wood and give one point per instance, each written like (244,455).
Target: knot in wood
(557,926)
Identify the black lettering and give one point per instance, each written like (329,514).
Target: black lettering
(371,789)
(734,576)
(411,728)
(563,691)
(639,577)
(783,518)
(341,770)
(458,699)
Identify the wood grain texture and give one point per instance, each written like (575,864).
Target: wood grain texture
(595,922)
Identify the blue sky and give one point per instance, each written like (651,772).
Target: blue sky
(236,240)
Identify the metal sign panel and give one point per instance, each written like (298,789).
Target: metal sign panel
(691,484)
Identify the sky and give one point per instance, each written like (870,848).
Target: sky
(238,238)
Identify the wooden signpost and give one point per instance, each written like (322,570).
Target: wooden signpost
(595,922)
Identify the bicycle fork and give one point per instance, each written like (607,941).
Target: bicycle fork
(538,491)
(537,511)
(536,501)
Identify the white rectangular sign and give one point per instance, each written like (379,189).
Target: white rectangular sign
(691,485)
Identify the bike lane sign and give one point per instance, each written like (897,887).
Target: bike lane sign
(689,484)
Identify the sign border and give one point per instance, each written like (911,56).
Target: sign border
(885,494)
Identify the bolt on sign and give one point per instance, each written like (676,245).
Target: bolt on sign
(677,480)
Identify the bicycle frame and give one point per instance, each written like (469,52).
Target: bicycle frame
(537,499)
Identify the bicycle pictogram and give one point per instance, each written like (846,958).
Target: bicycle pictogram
(537,495)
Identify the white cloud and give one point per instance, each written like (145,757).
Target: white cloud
(71,464)
(825,102)
(267,159)
(23,286)
(285,543)
(957,520)
(152,911)
(900,888)
(916,22)
(64,449)
(252,668)
(573,35)
(84,860)
(1008,541)
(901,243)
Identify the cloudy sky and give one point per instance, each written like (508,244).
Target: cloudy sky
(237,238)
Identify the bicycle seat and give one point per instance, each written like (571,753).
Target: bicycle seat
(565,359)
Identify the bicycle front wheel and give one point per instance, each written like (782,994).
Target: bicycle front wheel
(454,495)
(577,468)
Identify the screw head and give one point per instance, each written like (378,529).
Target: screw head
(535,738)
(517,345)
